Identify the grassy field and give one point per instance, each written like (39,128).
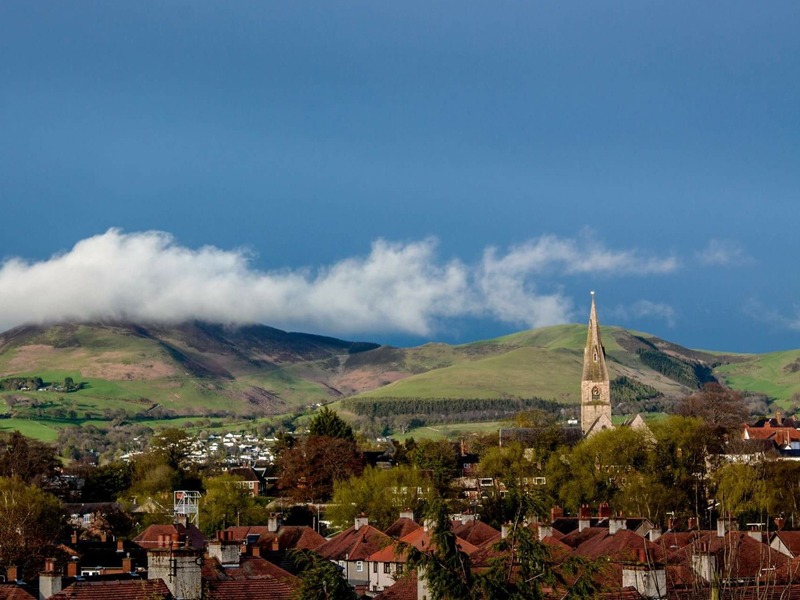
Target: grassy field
(776,374)
(453,431)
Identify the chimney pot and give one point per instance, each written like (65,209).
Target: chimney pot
(73,568)
(556,512)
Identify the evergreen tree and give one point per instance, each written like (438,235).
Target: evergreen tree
(327,423)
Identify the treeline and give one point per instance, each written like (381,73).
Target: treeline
(690,374)
(442,408)
(632,396)
(15,384)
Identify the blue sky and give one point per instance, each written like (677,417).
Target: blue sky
(403,172)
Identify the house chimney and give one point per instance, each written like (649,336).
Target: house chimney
(616,524)
(704,564)
(103,537)
(226,552)
(273,522)
(127,564)
(73,539)
(779,417)
(120,546)
(555,513)
(671,522)
(11,574)
(181,570)
(255,551)
(779,522)
(504,529)
(407,514)
(654,534)
(725,525)
(73,568)
(604,510)
(361,521)
(755,531)
(545,531)
(649,581)
(584,517)
(691,523)
(50,581)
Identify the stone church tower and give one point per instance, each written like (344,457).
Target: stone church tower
(595,386)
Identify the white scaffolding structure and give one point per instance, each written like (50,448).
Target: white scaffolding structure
(186,504)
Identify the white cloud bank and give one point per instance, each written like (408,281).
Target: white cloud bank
(398,287)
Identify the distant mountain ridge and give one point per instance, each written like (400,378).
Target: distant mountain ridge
(199,368)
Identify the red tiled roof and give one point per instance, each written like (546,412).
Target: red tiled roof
(292,537)
(127,589)
(354,544)
(402,527)
(738,555)
(575,538)
(250,589)
(149,537)
(419,539)
(240,533)
(251,567)
(476,532)
(11,591)
(790,539)
(404,588)
(624,545)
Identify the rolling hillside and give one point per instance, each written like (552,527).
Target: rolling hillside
(149,372)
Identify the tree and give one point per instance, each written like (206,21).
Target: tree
(443,566)
(320,579)
(226,502)
(308,470)
(439,458)
(28,459)
(327,423)
(172,445)
(107,482)
(31,520)
(722,408)
(596,469)
(379,493)
(510,466)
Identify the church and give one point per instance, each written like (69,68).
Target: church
(595,385)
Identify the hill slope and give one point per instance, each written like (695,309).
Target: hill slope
(191,368)
(195,369)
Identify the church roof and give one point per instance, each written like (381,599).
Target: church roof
(594,355)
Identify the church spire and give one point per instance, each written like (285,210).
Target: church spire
(594,355)
(595,385)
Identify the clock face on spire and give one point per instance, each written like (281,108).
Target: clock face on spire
(595,393)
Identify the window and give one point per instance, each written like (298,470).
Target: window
(399,568)
(359,566)
(386,568)
(375,567)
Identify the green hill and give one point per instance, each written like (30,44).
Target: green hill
(152,372)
